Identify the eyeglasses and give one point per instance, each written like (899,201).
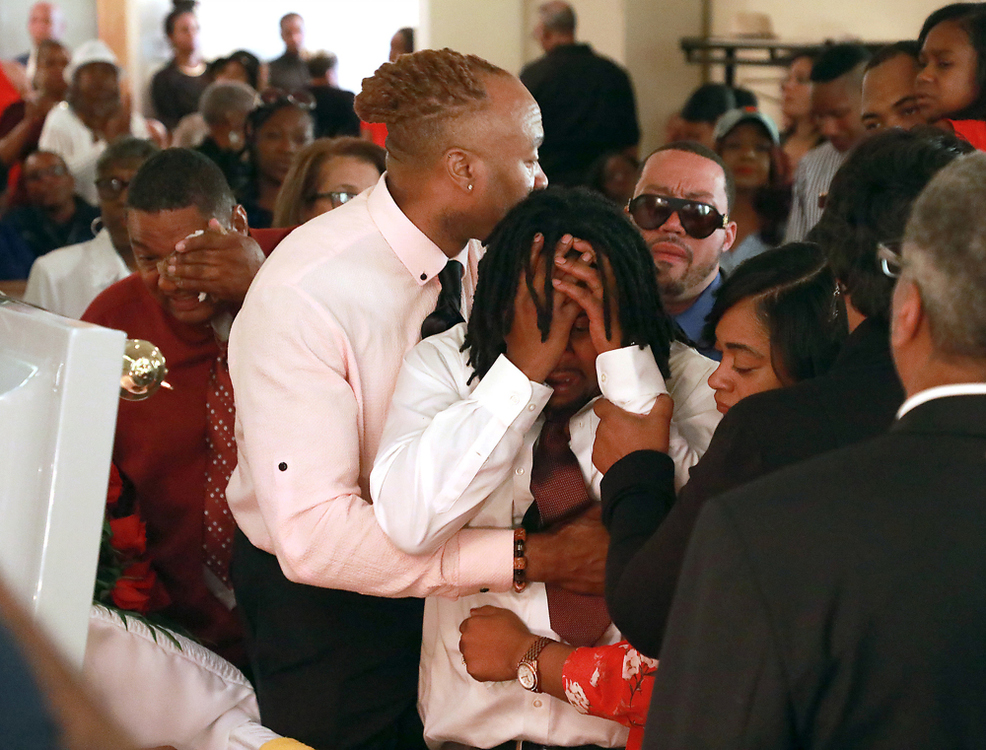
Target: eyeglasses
(891,263)
(274,97)
(699,220)
(111,188)
(338,197)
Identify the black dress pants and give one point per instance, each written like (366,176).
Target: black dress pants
(333,669)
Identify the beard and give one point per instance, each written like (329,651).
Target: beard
(674,287)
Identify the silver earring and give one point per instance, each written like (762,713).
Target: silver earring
(470,187)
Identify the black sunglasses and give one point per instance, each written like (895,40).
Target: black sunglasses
(699,220)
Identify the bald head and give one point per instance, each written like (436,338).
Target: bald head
(45,22)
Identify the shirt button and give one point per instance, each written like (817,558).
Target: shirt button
(602,378)
(520,471)
(537,704)
(530,407)
(514,398)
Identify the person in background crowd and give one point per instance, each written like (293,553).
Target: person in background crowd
(401,43)
(289,72)
(94,114)
(52,217)
(276,131)
(44,21)
(951,84)
(176,88)
(749,144)
(836,92)
(774,324)
(614,174)
(334,114)
(707,103)
(21,122)
(240,66)
(800,133)
(889,98)
(65,281)
(587,101)
(326,174)
(225,107)
(681,205)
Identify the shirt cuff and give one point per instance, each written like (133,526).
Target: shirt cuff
(486,560)
(510,395)
(629,374)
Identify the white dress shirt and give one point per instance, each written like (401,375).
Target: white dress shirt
(314,355)
(66,135)
(941,391)
(457,453)
(66,280)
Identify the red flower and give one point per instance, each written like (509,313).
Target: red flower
(135,588)
(128,535)
(115,488)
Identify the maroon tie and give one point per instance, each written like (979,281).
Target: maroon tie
(560,492)
(217,541)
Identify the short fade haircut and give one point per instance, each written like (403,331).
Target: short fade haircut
(837,61)
(794,297)
(127,148)
(711,101)
(869,201)
(177,178)
(222,97)
(945,255)
(908,47)
(420,94)
(288,17)
(559,17)
(321,63)
(693,147)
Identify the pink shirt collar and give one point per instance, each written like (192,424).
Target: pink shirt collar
(421,257)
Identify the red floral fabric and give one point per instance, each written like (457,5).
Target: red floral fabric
(612,682)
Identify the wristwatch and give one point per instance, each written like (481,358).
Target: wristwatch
(527,668)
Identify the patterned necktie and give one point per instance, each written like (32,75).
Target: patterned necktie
(217,541)
(447,311)
(559,491)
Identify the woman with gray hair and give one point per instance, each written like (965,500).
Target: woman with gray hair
(224,108)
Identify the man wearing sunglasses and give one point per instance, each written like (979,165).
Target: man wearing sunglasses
(681,206)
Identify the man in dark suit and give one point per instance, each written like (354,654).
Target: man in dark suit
(870,200)
(840,603)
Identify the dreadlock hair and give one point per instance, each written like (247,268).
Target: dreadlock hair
(420,94)
(590,217)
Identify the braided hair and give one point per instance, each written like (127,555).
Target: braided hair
(587,216)
(420,93)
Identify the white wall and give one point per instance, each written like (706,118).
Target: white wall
(80,17)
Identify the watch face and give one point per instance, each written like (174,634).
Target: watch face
(526,676)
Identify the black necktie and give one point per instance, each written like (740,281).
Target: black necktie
(447,312)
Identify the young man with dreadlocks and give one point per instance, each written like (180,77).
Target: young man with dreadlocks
(487,416)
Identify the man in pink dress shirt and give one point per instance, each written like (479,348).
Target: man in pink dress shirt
(333,609)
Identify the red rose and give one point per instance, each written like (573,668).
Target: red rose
(135,587)
(128,535)
(115,488)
